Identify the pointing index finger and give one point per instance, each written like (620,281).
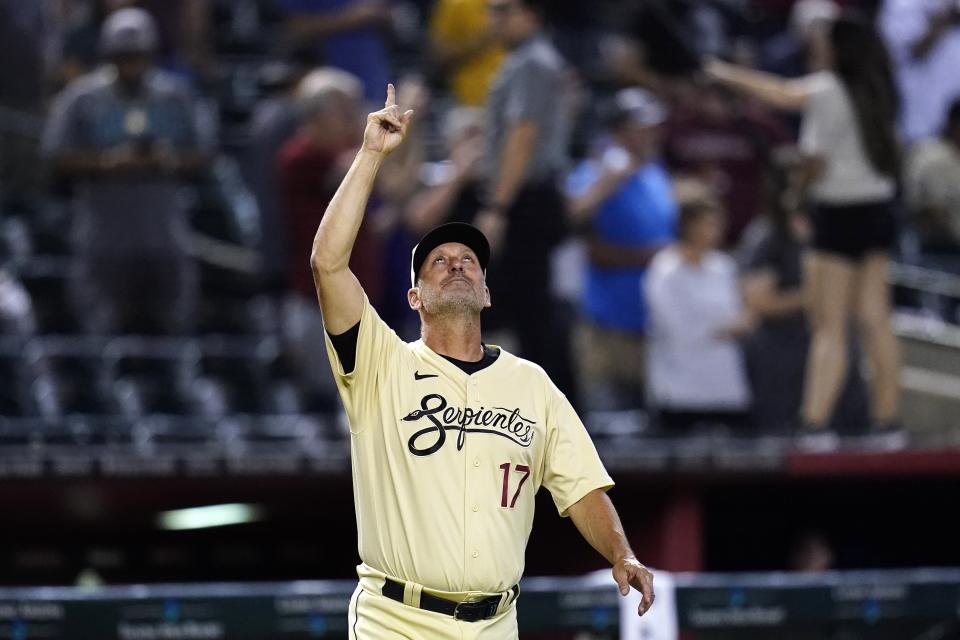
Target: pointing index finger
(391,96)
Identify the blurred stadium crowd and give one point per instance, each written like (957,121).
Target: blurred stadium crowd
(164,166)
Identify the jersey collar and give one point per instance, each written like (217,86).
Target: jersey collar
(451,370)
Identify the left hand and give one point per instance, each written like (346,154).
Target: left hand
(627,573)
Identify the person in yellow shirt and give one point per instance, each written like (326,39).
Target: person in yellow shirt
(462,43)
(450,437)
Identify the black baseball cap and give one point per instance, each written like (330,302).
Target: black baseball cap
(461,232)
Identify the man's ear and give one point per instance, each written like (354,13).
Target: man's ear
(487,302)
(413,298)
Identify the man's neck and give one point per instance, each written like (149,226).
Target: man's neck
(457,338)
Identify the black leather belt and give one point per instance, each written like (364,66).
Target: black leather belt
(466,611)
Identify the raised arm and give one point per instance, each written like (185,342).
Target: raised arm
(597,520)
(338,290)
(584,206)
(781,93)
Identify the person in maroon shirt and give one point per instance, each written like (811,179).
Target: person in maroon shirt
(309,168)
(715,139)
(311,165)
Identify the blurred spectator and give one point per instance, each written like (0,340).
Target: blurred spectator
(348,35)
(310,166)
(924,41)
(127,134)
(526,137)
(183,35)
(848,136)
(776,350)
(932,185)
(716,139)
(668,36)
(274,120)
(452,189)
(801,48)
(625,202)
(695,367)
(465,47)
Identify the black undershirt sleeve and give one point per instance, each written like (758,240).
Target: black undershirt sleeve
(345,344)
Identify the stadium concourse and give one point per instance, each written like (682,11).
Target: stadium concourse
(174,458)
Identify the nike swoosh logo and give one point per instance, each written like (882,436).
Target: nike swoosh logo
(423,376)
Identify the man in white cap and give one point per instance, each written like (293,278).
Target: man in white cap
(623,201)
(127,135)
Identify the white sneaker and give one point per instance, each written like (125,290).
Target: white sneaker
(818,441)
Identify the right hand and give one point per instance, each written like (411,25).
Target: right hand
(629,572)
(386,128)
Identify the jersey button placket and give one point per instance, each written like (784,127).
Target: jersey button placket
(473,480)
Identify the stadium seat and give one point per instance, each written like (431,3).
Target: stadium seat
(12,397)
(78,372)
(20,432)
(237,315)
(107,432)
(45,279)
(166,430)
(153,375)
(242,366)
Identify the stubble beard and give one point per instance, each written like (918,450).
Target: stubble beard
(451,302)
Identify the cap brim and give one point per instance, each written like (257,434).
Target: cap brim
(461,232)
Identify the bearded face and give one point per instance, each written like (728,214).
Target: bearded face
(451,282)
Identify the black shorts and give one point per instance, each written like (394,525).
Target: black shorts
(852,231)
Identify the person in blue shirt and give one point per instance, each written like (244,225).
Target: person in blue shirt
(624,204)
(348,34)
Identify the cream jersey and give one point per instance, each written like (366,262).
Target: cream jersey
(446,464)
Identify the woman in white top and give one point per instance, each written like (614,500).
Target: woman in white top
(848,137)
(695,366)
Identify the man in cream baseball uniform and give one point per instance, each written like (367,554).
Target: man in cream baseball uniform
(451,438)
